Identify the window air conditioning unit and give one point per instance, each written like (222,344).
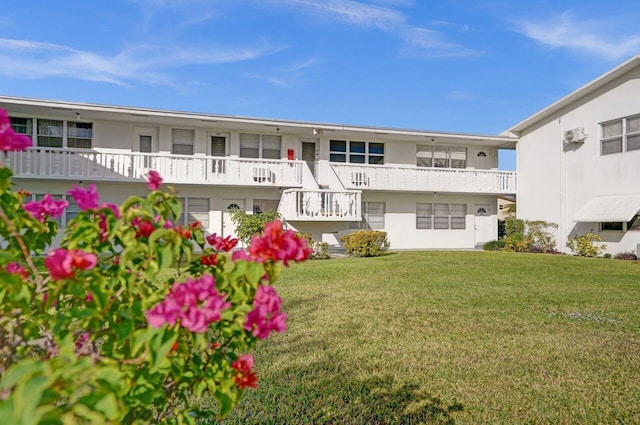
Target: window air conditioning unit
(575,135)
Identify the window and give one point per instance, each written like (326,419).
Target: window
(424,215)
(194,209)
(441,156)
(79,134)
(182,141)
(612,225)
(22,125)
(358,152)
(633,133)
(146,143)
(50,133)
(218,146)
(372,216)
(621,226)
(620,135)
(441,216)
(264,146)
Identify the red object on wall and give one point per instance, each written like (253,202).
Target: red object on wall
(290,154)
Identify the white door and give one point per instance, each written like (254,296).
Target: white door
(483,160)
(483,220)
(309,153)
(228,205)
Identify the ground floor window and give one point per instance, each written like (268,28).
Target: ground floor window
(440,216)
(372,216)
(621,226)
(194,209)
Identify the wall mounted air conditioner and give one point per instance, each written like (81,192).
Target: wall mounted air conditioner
(575,135)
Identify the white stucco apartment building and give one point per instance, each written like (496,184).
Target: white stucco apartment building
(425,189)
(578,161)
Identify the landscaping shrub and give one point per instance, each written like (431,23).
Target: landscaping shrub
(513,225)
(497,245)
(517,242)
(584,245)
(540,233)
(249,225)
(625,255)
(365,243)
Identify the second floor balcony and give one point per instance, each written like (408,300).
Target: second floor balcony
(80,164)
(419,179)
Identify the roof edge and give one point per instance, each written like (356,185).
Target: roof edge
(591,86)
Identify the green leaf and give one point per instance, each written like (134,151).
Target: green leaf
(109,406)
(19,371)
(165,257)
(254,273)
(161,345)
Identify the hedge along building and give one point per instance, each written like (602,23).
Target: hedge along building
(578,161)
(425,189)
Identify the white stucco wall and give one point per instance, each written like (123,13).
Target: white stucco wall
(555,179)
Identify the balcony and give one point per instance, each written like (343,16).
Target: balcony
(418,179)
(320,205)
(80,164)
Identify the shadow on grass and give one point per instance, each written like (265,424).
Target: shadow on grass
(322,393)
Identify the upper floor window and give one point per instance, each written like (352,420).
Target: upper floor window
(620,135)
(356,152)
(55,133)
(182,141)
(266,146)
(441,156)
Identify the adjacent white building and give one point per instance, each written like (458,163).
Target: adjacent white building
(425,189)
(578,161)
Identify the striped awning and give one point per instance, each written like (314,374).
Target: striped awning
(609,208)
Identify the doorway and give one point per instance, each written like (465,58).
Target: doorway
(308,153)
(483,227)
(228,206)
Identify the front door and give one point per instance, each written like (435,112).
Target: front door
(308,153)
(228,226)
(483,227)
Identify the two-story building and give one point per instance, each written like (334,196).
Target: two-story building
(578,161)
(425,189)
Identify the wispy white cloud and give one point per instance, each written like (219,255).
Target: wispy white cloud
(569,32)
(383,16)
(285,76)
(34,59)
(461,95)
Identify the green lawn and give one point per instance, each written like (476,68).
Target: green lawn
(453,337)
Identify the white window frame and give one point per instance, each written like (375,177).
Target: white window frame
(183,142)
(262,139)
(350,152)
(623,137)
(440,216)
(192,212)
(429,152)
(66,132)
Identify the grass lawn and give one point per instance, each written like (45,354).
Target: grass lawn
(452,337)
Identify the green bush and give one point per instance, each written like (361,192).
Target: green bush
(249,225)
(365,243)
(584,245)
(494,245)
(513,225)
(541,235)
(517,242)
(625,255)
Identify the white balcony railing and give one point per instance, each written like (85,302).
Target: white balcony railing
(79,164)
(320,205)
(387,177)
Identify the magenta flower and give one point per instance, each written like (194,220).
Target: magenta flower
(154,181)
(63,263)
(219,243)
(87,199)
(112,207)
(276,244)
(266,316)
(15,268)
(46,207)
(196,303)
(244,377)
(9,139)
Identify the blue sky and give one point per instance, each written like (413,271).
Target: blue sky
(463,66)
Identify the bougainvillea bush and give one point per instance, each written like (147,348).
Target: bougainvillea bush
(103,329)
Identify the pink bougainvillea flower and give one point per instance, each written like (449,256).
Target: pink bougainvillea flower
(221,244)
(112,207)
(276,244)
(15,268)
(63,263)
(87,199)
(9,139)
(241,254)
(266,316)
(143,227)
(244,377)
(154,181)
(46,207)
(195,303)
